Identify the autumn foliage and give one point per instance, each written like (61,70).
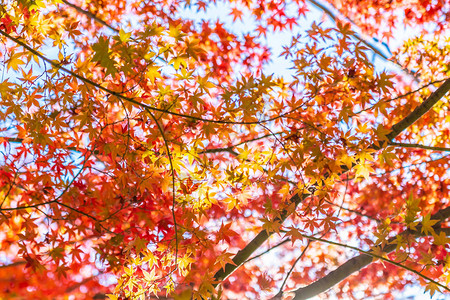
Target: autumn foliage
(148,152)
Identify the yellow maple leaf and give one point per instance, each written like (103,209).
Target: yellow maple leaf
(427,225)
(363,170)
(441,239)
(432,287)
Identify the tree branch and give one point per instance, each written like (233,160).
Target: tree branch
(254,244)
(89,15)
(405,145)
(268,250)
(402,95)
(420,110)
(78,284)
(132,100)
(230,148)
(357,263)
(369,44)
(17,263)
(280,292)
(58,66)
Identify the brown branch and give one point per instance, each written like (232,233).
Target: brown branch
(420,110)
(28,206)
(263,235)
(254,244)
(404,145)
(341,207)
(219,150)
(14,264)
(280,292)
(230,148)
(402,167)
(89,15)
(268,250)
(357,263)
(369,44)
(402,95)
(78,284)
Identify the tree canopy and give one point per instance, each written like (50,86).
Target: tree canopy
(148,152)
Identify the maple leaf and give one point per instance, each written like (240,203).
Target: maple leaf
(6,23)
(124,36)
(427,224)
(57,254)
(347,160)
(363,170)
(150,258)
(432,288)
(75,252)
(236,13)
(224,259)
(271,226)
(261,30)
(427,258)
(385,82)
(14,61)
(387,156)
(102,55)
(201,5)
(150,277)
(225,233)
(291,22)
(441,239)
(294,234)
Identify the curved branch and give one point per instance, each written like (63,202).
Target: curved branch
(254,244)
(280,293)
(268,250)
(357,263)
(369,44)
(119,95)
(169,155)
(89,15)
(230,148)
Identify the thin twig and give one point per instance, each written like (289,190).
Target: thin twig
(169,155)
(403,95)
(89,15)
(280,292)
(268,250)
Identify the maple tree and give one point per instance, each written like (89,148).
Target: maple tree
(148,153)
